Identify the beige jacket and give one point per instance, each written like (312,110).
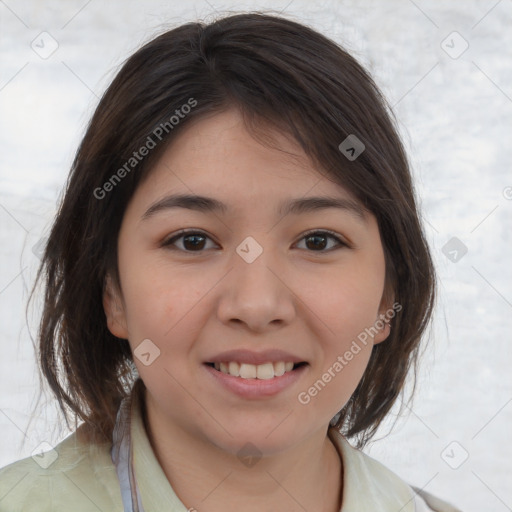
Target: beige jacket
(83,478)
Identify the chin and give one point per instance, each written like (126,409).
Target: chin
(264,438)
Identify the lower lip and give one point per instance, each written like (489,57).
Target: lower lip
(257,388)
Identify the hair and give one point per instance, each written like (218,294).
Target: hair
(279,74)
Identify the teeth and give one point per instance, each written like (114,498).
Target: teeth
(279,368)
(265,371)
(248,371)
(251,371)
(234,368)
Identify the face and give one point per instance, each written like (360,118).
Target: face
(254,287)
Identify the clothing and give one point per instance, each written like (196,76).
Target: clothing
(84,479)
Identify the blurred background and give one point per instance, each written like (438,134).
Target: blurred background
(446,69)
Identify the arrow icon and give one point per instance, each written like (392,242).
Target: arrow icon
(454,45)
(454,249)
(249,455)
(351,147)
(453,254)
(44,44)
(249,249)
(147,352)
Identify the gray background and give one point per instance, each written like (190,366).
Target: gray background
(455,112)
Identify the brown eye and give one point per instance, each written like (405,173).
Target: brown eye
(197,241)
(190,241)
(317,241)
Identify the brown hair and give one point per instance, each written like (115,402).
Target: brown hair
(278,73)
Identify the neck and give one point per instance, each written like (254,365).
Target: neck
(205,477)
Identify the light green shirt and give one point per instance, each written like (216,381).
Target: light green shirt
(83,478)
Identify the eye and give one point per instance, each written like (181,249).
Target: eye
(318,240)
(192,241)
(195,241)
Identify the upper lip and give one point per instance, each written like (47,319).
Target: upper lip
(251,357)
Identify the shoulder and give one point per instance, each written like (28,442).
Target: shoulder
(74,475)
(383,488)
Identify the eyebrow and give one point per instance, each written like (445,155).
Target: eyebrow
(296,206)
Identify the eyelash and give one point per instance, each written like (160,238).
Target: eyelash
(168,243)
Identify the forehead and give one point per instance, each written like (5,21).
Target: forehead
(217,156)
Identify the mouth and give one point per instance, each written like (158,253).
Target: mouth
(265,371)
(255,381)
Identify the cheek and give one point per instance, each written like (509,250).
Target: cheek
(333,383)
(158,310)
(163,305)
(346,301)
(156,294)
(157,307)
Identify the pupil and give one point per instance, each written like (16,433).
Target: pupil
(194,244)
(316,238)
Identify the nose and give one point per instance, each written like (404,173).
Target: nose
(255,294)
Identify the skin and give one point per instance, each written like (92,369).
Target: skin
(296,296)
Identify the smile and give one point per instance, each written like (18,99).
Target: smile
(263,371)
(255,381)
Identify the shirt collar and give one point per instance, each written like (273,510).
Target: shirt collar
(367,484)
(154,487)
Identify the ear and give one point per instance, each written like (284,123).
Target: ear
(382,322)
(114,310)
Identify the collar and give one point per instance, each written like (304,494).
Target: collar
(368,485)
